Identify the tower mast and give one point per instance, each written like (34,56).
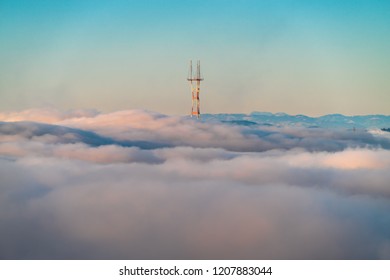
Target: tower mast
(195,88)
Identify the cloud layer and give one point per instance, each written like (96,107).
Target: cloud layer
(141,185)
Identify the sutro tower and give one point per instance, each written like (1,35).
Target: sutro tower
(195,88)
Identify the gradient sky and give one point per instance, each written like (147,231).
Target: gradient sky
(308,57)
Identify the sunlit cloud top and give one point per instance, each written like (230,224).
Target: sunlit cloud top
(136,184)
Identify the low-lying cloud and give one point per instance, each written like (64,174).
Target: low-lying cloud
(141,185)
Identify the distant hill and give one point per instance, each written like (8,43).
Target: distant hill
(282,119)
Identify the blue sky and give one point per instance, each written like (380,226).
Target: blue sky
(308,57)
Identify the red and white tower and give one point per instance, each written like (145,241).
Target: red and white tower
(195,88)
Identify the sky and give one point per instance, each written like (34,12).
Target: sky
(135,184)
(297,57)
(99,159)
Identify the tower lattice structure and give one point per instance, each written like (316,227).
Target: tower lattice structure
(195,79)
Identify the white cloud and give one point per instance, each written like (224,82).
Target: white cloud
(211,191)
(46,115)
